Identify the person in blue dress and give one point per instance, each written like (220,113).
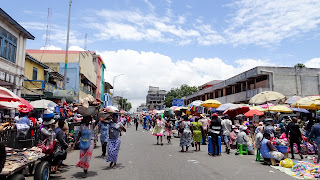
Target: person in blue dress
(114,140)
(104,133)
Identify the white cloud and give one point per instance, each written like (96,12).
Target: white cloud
(142,69)
(149,4)
(137,26)
(268,22)
(313,63)
(75,48)
(51,47)
(34,25)
(210,36)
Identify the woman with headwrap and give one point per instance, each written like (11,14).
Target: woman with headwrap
(114,140)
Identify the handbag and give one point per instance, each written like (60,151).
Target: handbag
(181,130)
(47,149)
(59,152)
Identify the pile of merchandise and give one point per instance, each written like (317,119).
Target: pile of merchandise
(306,170)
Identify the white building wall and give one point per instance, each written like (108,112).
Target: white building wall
(17,68)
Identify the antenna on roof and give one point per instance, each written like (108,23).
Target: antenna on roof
(48,28)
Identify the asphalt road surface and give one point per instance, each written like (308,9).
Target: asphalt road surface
(140,158)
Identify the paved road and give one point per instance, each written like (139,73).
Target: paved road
(140,158)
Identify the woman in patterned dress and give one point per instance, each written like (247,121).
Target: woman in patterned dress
(168,130)
(114,140)
(186,135)
(159,129)
(85,134)
(197,129)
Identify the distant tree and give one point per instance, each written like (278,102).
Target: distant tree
(178,93)
(299,65)
(124,104)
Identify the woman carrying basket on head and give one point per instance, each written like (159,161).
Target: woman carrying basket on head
(114,140)
(86,137)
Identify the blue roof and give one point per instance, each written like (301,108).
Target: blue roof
(17,25)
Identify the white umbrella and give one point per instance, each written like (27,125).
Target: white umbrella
(196,103)
(43,104)
(266,96)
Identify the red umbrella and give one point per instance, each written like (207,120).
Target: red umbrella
(236,109)
(5,95)
(252,112)
(23,101)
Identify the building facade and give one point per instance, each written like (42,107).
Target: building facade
(100,77)
(155,98)
(81,69)
(289,81)
(13,38)
(39,80)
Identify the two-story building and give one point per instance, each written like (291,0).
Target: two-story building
(289,81)
(81,69)
(100,77)
(13,38)
(40,80)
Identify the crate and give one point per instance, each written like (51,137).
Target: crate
(11,139)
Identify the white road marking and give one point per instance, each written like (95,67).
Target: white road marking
(194,161)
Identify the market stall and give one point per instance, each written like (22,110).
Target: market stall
(20,160)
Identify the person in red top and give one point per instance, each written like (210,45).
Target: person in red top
(128,121)
(33,120)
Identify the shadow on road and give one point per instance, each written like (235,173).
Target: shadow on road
(119,166)
(79,175)
(100,157)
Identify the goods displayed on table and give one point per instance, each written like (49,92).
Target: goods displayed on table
(17,158)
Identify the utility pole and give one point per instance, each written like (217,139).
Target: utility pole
(123,106)
(67,47)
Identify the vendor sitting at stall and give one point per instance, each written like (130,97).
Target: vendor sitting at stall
(243,138)
(267,150)
(23,113)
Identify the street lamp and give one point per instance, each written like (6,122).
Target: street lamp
(114,78)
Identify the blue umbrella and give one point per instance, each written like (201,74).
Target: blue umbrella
(223,107)
(300,110)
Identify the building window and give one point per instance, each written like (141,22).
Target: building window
(8,45)
(35,73)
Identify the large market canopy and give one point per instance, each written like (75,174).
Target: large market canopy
(265,97)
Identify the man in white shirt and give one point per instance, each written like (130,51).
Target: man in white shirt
(226,124)
(205,122)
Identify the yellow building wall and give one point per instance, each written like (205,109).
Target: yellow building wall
(28,72)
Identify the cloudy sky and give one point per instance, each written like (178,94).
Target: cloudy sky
(168,43)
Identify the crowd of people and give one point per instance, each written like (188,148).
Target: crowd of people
(54,136)
(271,137)
(300,135)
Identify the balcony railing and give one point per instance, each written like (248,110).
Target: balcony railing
(40,84)
(34,84)
(88,92)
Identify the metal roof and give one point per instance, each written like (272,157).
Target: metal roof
(17,25)
(36,61)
